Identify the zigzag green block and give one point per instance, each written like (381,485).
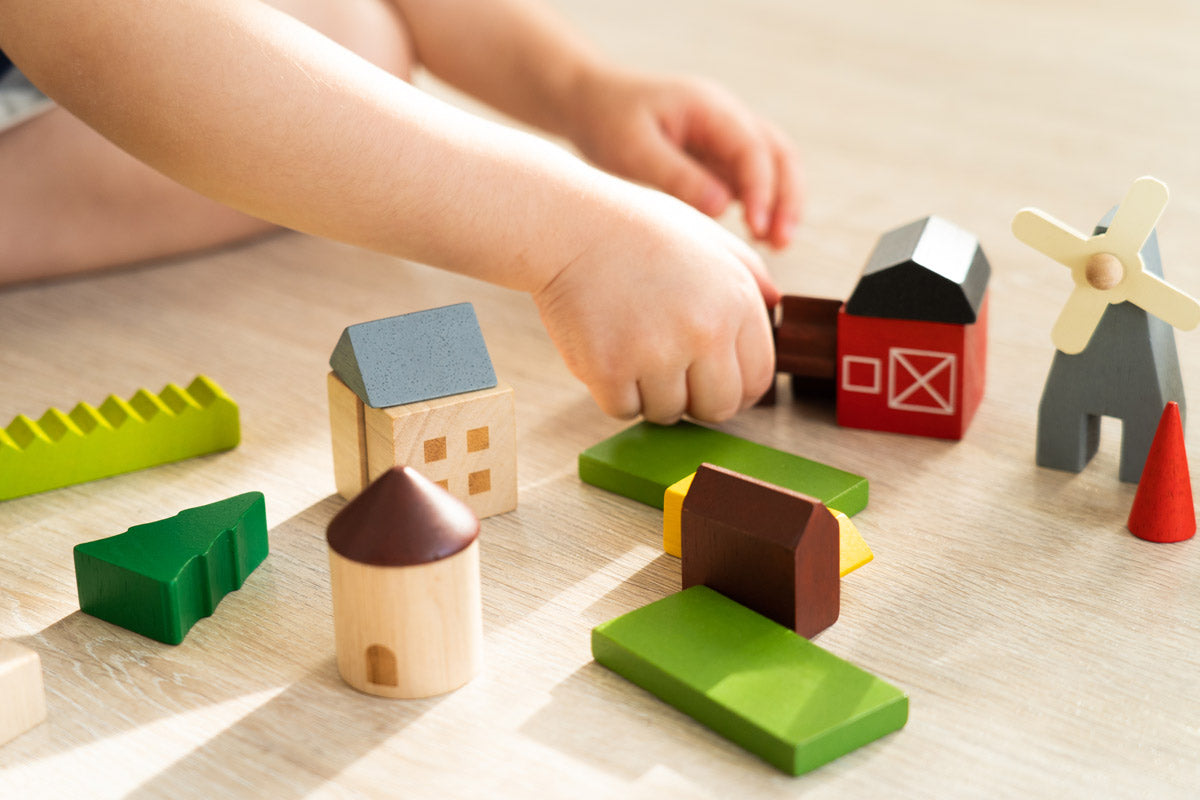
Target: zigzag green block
(119,436)
(159,579)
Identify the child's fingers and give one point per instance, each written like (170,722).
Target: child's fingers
(758,269)
(756,357)
(789,193)
(737,144)
(661,163)
(617,399)
(664,396)
(715,386)
(755,170)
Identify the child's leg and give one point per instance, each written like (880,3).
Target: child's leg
(71,201)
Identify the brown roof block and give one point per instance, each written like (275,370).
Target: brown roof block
(402,519)
(771,549)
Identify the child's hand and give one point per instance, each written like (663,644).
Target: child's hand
(694,140)
(663,313)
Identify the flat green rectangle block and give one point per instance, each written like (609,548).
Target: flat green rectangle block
(751,680)
(642,461)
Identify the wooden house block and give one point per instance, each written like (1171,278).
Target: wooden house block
(773,550)
(159,579)
(912,338)
(22,696)
(853,551)
(404,566)
(640,463)
(444,414)
(465,443)
(749,679)
(118,436)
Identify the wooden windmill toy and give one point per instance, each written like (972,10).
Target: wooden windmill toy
(1116,349)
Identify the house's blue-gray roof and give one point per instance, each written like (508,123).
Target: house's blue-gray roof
(414,357)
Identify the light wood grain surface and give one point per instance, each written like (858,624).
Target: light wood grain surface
(1046,651)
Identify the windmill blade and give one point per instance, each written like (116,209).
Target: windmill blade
(1051,237)
(1164,301)
(1078,319)
(1136,217)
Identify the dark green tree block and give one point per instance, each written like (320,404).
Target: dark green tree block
(642,461)
(159,579)
(751,680)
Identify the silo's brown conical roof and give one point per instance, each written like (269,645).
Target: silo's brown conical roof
(402,519)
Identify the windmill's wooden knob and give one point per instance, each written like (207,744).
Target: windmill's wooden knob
(1104,271)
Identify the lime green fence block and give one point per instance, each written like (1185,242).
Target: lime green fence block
(642,461)
(120,436)
(161,578)
(751,680)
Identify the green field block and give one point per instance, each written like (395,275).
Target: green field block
(120,436)
(751,680)
(159,579)
(642,461)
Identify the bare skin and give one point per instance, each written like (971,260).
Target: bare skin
(656,308)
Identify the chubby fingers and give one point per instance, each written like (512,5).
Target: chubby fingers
(788,203)
(757,268)
(659,162)
(756,357)
(735,374)
(759,163)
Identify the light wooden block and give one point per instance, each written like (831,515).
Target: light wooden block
(348,428)
(466,443)
(410,631)
(22,696)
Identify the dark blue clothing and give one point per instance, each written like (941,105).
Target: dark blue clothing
(5,64)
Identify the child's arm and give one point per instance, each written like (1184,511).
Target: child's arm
(653,306)
(685,136)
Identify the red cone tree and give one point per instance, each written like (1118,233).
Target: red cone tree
(1162,508)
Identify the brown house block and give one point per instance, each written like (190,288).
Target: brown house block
(773,550)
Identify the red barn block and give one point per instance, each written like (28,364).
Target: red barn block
(773,550)
(912,338)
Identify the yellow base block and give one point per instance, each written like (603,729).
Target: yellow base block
(853,549)
(673,515)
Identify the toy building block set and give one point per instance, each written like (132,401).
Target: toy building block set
(424,447)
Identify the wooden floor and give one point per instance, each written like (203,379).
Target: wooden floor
(1046,651)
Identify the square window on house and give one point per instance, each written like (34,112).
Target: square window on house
(477,439)
(435,449)
(479,482)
